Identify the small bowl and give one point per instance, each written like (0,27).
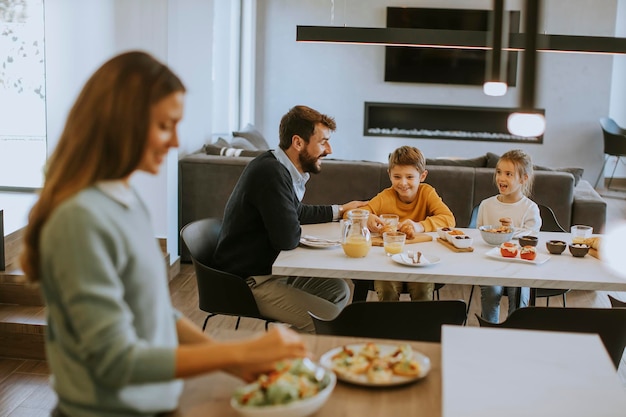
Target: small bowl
(494,238)
(299,408)
(462,241)
(528,241)
(556,247)
(578,250)
(443,231)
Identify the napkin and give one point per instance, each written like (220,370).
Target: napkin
(423,260)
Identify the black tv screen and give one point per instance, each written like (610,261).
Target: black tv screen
(443,66)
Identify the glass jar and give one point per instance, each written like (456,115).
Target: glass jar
(356,239)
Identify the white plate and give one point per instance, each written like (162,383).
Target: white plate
(316,242)
(385,349)
(401,258)
(495,254)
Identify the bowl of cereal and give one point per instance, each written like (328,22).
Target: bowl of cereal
(496,235)
(296,388)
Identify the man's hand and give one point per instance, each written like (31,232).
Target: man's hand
(344,208)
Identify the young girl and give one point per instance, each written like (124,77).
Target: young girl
(114,343)
(513,208)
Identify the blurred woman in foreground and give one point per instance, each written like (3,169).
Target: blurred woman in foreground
(115,345)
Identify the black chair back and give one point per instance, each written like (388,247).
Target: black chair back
(402,320)
(549,222)
(615,303)
(608,323)
(219,292)
(614,137)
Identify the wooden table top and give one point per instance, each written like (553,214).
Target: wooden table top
(209,395)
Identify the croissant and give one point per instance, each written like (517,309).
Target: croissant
(593,242)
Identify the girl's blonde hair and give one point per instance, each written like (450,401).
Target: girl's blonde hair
(523,165)
(104,138)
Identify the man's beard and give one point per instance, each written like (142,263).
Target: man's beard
(309,162)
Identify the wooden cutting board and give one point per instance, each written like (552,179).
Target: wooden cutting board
(420,237)
(452,247)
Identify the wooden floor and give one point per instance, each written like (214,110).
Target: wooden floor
(24,389)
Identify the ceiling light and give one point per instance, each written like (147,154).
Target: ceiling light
(494,84)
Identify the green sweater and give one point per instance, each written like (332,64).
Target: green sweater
(111,333)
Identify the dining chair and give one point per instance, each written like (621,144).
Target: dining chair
(614,145)
(549,223)
(219,292)
(402,320)
(615,302)
(608,323)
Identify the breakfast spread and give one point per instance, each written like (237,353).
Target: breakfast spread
(375,367)
(501,229)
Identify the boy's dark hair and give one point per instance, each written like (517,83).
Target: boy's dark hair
(301,121)
(408,155)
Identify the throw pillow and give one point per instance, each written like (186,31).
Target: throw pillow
(477,162)
(576,172)
(254,137)
(492,160)
(222,143)
(242,143)
(213,149)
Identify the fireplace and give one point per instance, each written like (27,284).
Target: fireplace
(441,122)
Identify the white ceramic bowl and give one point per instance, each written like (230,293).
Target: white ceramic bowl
(463,243)
(493,238)
(300,408)
(443,233)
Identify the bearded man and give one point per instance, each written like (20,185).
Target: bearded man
(263,217)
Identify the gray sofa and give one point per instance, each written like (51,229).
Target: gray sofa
(206,181)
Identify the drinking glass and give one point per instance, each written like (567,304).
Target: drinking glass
(580,233)
(390,222)
(393,242)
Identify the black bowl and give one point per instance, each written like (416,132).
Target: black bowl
(528,241)
(578,250)
(556,247)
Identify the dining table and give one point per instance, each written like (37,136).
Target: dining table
(474,372)
(210,394)
(481,265)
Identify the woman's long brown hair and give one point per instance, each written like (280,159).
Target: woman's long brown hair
(104,137)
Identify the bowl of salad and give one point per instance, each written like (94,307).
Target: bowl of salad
(297,388)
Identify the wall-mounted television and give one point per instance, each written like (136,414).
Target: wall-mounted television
(443,66)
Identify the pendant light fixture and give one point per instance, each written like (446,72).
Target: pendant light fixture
(527,121)
(495,83)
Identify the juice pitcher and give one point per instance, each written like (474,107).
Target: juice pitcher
(355,236)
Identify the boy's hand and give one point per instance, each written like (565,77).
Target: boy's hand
(375,224)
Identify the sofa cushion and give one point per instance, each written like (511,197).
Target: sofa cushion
(253,136)
(230,151)
(477,162)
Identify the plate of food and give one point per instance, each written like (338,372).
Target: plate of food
(296,388)
(376,364)
(318,242)
(512,253)
(425,260)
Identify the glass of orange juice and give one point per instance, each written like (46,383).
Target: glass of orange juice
(393,242)
(580,233)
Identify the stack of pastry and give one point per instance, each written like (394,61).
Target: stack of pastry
(594,246)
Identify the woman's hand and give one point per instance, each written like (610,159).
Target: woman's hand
(263,352)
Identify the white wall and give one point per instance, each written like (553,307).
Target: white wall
(80,36)
(618,86)
(337,79)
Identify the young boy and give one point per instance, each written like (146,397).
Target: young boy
(419,207)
